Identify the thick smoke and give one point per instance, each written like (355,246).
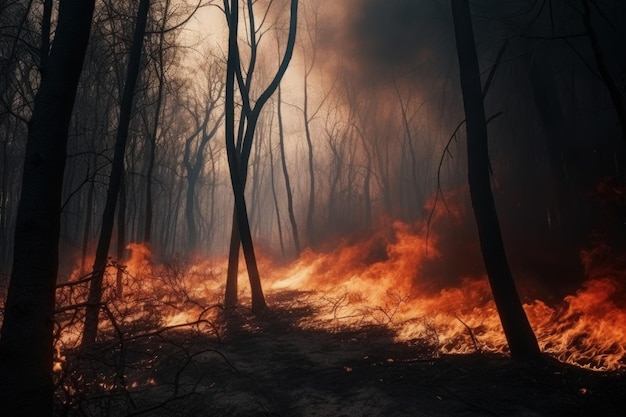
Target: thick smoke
(374,39)
(545,192)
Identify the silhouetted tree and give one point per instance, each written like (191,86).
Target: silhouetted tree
(519,335)
(115,180)
(283,160)
(195,148)
(26,341)
(238,147)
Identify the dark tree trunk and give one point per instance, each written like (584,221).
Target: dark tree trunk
(115,180)
(26,341)
(231,293)
(275,199)
(160,70)
(194,166)
(310,229)
(519,335)
(239,154)
(234,162)
(121,238)
(88,214)
(283,160)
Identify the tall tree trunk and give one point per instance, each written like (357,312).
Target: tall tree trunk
(275,198)
(147,225)
(310,229)
(190,218)
(121,238)
(519,335)
(234,163)
(283,160)
(44,49)
(88,214)
(26,339)
(117,170)
(239,154)
(160,69)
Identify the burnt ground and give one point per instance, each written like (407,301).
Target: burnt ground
(267,366)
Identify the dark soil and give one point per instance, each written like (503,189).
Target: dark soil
(268,366)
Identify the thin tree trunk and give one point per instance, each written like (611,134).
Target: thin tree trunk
(121,239)
(117,170)
(26,339)
(275,198)
(258,299)
(310,229)
(87,228)
(147,233)
(281,144)
(147,226)
(519,334)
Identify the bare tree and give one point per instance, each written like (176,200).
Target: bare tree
(26,339)
(194,154)
(115,180)
(283,159)
(519,334)
(238,151)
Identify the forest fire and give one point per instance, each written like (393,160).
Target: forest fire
(373,282)
(310,140)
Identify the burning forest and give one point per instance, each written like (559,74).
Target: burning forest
(312,208)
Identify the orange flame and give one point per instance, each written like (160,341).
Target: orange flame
(373,282)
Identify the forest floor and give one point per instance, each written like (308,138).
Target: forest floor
(270,366)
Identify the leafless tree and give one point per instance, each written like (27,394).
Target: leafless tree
(519,334)
(239,146)
(27,331)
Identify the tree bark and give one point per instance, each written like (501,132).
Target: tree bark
(520,337)
(117,170)
(26,340)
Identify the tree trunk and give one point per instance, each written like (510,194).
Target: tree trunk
(117,170)
(88,213)
(281,143)
(26,340)
(310,229)
(160,70)
(121,239)
(239,154)
(234,161)
(275,199)
(519,335)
